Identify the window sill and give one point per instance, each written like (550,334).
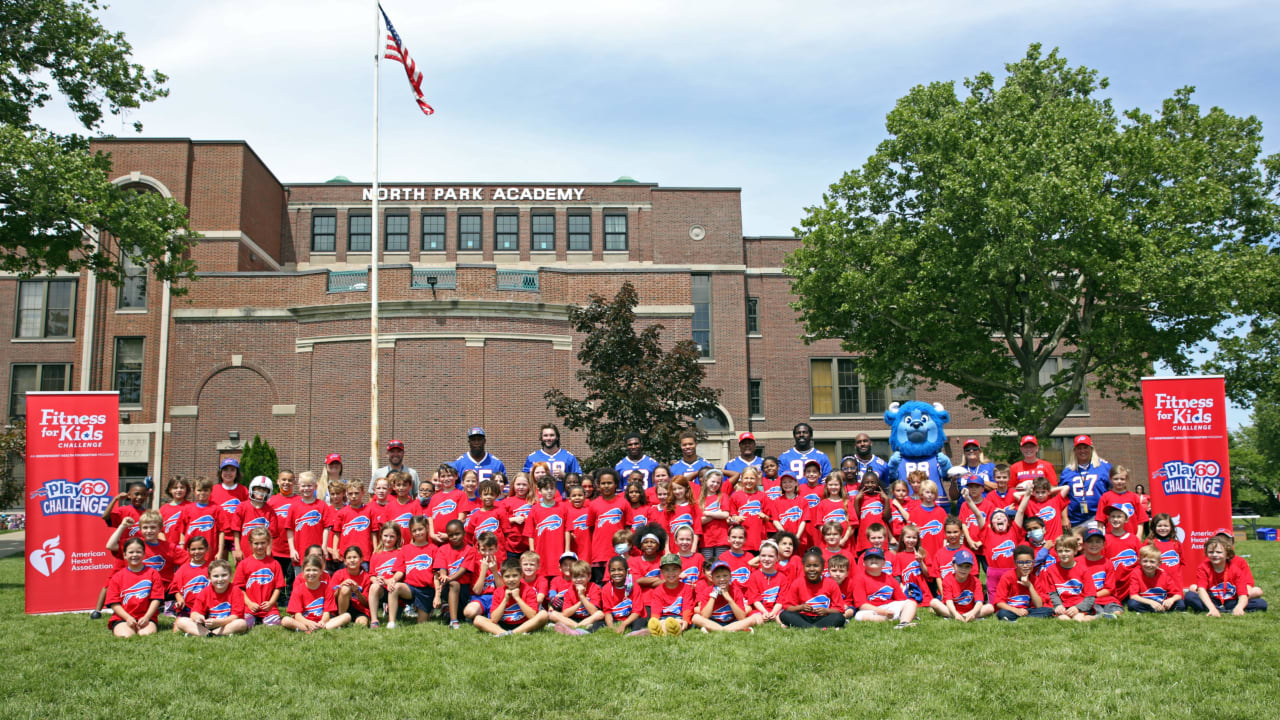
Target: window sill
(43,340)
(707,361)
(433,253)
(398,253)
(130,408)
(754,335)
(757,418)
(860,416)
(131,311)
(324,254)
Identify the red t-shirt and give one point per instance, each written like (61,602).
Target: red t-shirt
(164,557)
(995,501)
(380,515)
(512,614)
(754,510)
(738,566)
(1099,576)
(1171,556)
(546,527)
(229,499)
(911,573)
(557,588)
(171,514)
(572,598)
(641,568)
(493,521)
(1121,551)
(313,603)
(930,521)
(970,520)
(610,517)
(1009,592)
(1022,471)
(207,521)
(720,611)
(188,580)
(691,569)
(581,520)
(665,602)
(791,512)
(418,563)
(824,512)
(1159,587)
(1131,504)
(1072,584)
(363,579)
(280,541)
(823,594)
(517,511)
(680,515)
(308,522)
(1225,585)
(715,531)
(134,591)
(248,518)
(451,559)
(766,589)
(389,562)
(643,515)
(258,579)
(354,527)
(619,601)
(940,560)
(446,506)
(965,594)
(214,605)
(998,546)
(1051,512)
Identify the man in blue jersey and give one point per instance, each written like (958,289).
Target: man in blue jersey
(793,460)
(477,458)
(867,460)
(562,461)
(746,458)
(636,460)
(689,463)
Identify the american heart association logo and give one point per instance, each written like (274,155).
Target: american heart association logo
(48,558)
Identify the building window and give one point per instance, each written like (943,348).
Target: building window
(46,309)
(397,233)
(469,232)
(580,233)
(324,229)
(615,232)
(838,389)
(133,292)
(1054,365)
(359,233)
(506,232)
(702,313)
(25,378)
(128,370)
(544,232)
(753,316)
(433,233)
(755,399)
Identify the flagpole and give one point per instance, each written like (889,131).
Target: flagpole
(373,271)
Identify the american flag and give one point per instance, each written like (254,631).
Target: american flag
(397,51)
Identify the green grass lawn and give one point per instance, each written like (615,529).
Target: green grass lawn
(1141,667)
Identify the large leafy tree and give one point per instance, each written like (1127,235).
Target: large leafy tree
(1024,239)
(58,207)
(632,384)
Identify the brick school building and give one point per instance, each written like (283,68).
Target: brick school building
(475,283)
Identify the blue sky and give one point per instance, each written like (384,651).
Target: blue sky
(778,98)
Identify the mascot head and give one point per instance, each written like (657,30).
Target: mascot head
(915,428)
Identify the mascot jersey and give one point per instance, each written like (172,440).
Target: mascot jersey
(917,439)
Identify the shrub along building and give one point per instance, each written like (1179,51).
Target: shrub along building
(474,284)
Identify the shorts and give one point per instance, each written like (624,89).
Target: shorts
(423,598)
(510,625)
(897,606)
(356,612)
(486,602)
(270,620)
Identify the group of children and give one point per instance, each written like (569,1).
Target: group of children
(686,552)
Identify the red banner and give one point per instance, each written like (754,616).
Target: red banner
(73,449)
(1190,472)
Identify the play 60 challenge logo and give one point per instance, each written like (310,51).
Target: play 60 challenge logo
(63,497)
(1202,477)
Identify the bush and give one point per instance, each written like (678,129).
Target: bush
(259,458)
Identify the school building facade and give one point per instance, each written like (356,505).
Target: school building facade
(474,285)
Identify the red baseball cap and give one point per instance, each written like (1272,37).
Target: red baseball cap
(395,445)
(1029,439)
(332,458)
(971,441)
(746,436)
(1083,440)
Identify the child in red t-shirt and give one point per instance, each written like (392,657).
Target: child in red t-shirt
(547,529)
(714,512)
(350,588)
(218,609)
(812,600)
(455,567)
(833,506)
(488,564)
(767,583)
(749,508)
(962,591)
(912,567)
(620,599)
(722,606)
(179,491)
(1164,535)
(877,596)
(1223,582)
(191,577)
(1050,505)
(926,515)
(134,593)
(259,578)
(789,511)
(387,571)
(579,611)
(1016,594)
(1154,587)
(1065,586)
(515,605)
(671,602)
(310,603)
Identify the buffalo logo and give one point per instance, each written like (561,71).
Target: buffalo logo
(580,523)
(1156,593)
(722,614)
(741,575)
(314,609)
(713,505)
(792,514)
(489,524)
(221,610)
(888,566)
(253,524)
(448,507)
(773,493)
(261,576)
(622,609)
(750,507)
(674,609)
(170,522)
(836,515)
(140,590)
(948,568)
(195,585)
(770,595)
(681,520)
(965,598)
(911,571)
(420,562)
(1070,586)
(1099,579)
(402,519)
(310,518)
(873,508)
(1047,513)
(522,511)
(155,562)
(639,519)
(933,527)
(1223,591)
(386,568)
(812,498)
(455,566)
(609,518)
(1002,550)
(282,510)
(512,614)
(690,575)
(1019,601)
(229,505)
(654,573)
(1125,558)
(884,593)
(359,523)
(202,524)
(550,523)
(1170,558)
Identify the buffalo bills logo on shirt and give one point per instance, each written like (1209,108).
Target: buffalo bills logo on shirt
(682,520)
(792,514)
(253,524)
(282,510)
(1047,513)
(872,508)
(639,519)
(1156,593)
(674,609)
(741,575)
(836,515)
(140,590)
(1170,558)
(1099,579)
(1223,591)
(609,518)
(580,523)
(194,585)
(204,523)
(310,518)
(933,527)
(170,523)
(690,575)
(653,573)
(750,507)
(773,493)
(911,571)
(221,610)
(521,511)
(1125,558)
(770,595)
(722,614)
(455,566)
(1002,550)
(314,609)
(487,525)
(402,519)
(1070,586)
(948,568)
(884,593)
(550,523)
(1019,601)
(512,614)
(888,566)
(386,568)
(419,562)
(812,498)
(229,506)
(964,598)
(359,523)
(713,505)
(155,562)
(448,507)
(822,602)
(622,609)
(261,576)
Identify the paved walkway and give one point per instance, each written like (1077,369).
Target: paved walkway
(12,543)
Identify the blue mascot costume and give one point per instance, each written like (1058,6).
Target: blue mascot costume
(917,440)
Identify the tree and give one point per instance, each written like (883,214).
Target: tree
(1255,459)
(1025,240)
(58,207)
(631,383)
(13,448)
(258,458)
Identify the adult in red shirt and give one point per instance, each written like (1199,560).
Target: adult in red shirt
(1030,466)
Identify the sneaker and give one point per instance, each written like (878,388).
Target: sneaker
(655,627)
(504,633)
(672,626)
(454,625)
(902,625)
(95,615)
(581,631)
(639,633)
(1109,615)
(411,612)
(391,625)
(564,629)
